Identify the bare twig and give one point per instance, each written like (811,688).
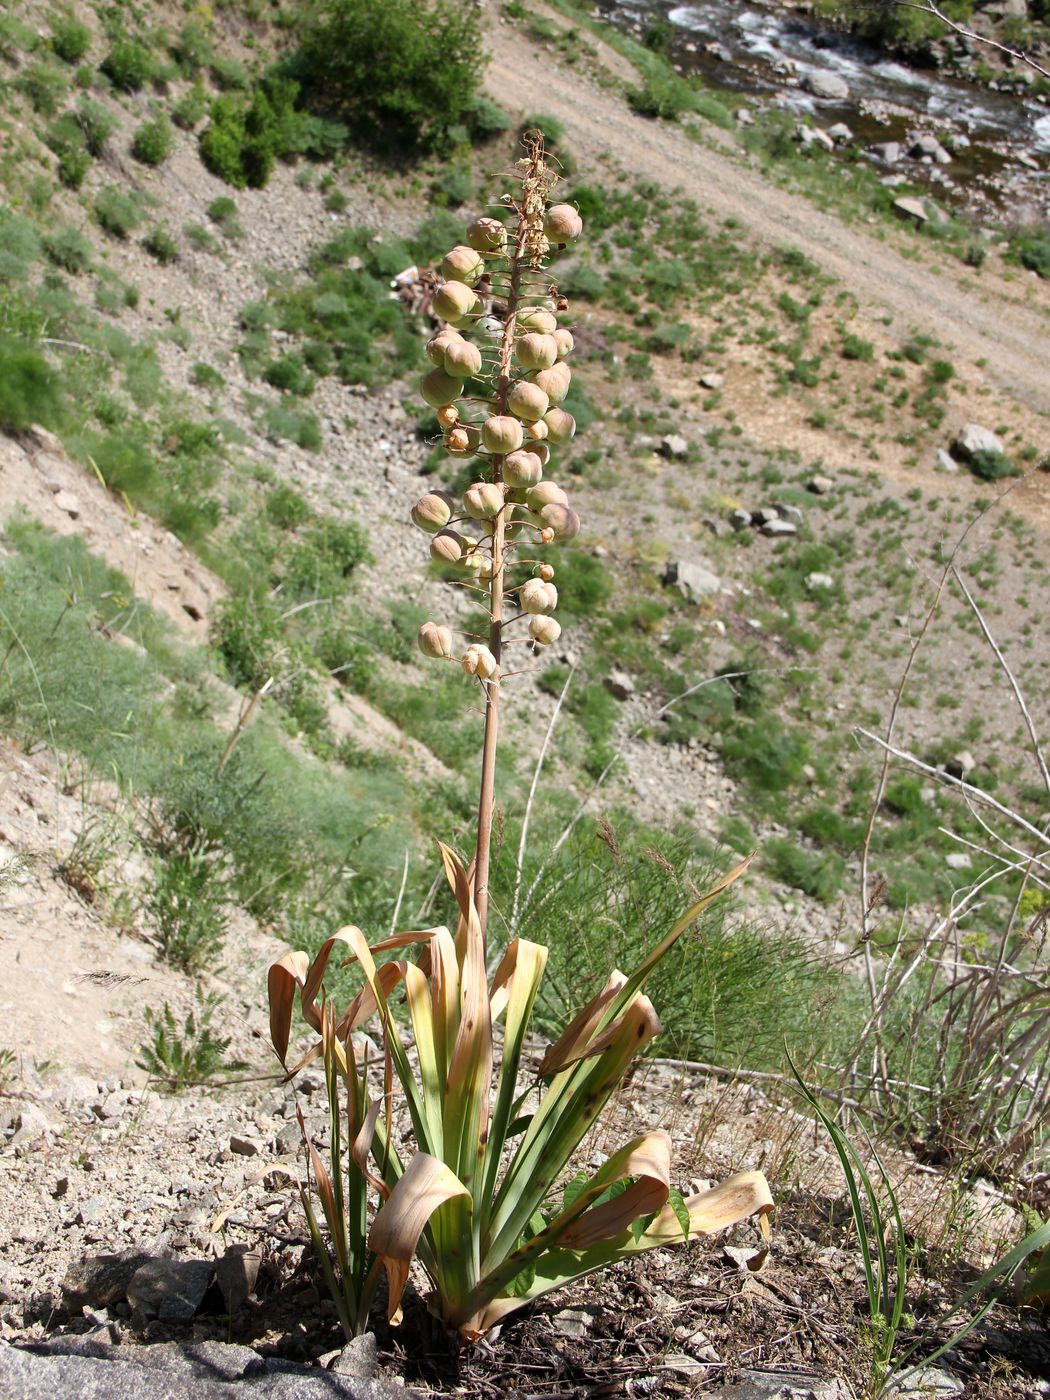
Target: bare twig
(523,841)
(248,709)
(929,8)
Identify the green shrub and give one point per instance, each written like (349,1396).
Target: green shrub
(407,69)
(229,74)
(242,142)
(30,391)
(184,1055)
(16,39)
(289,374)
(205,376)
(160,244)
(301,428)
(663,95)
(186,908)
(117,213)
(487,120)
(191,108)
(153,142)
(285,508)
(584,281)
(1034,254)
(97,124)
(66,138)
(128,65)
(223,211)
(191,48)
(197,236)
(992,466)
(819,874)
(45,87)
(323,559)
(68,249)
(854,348)
(70,39)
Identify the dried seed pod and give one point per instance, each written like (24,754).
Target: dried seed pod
(561,426)
(462,359)
(546,535)
(433,511)
(535,596)
(564,341)
(538,448)
(478,661)
(487,235)
(501,433)
(455,302)
(537,318)
(462,265)
(537,431)
(522,468)
(437,344)
(528,401)
(545,494)
(561,520)
(438,388)
(562,224)
(546,572)
(448,547)
(536,351)
(544,630)
(448,416)
(473,557)
(554,382)
(463,441)
(483,500)
(435,640)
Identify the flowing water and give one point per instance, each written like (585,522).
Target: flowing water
(764,50)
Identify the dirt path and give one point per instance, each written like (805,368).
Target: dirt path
(1015,340)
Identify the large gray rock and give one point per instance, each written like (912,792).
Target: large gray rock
(775,528)
(822,83)
(170,1288)
(889,152)
(674,446)
(785,1385)
(101,1279)
(973,439)
(693,581)
(202,1371)
(908,207)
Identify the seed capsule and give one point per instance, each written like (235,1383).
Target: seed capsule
(487,235)
(564,342)
(462,359)
(522,468)
(448,416)
(528,401)
(478,661)
(544,630)
(437,344)
(447,547)
(540,449)
(435,640)
(554,382)
(463,441)
(483,500)
(462,265)
(537,431)
(545,494)
(562,224)
(535,596)
(546,572)
(438,388)
(561,520)
(536,351)
(561,426)
(433,511)
(455,302)
(537,318)
(501,433)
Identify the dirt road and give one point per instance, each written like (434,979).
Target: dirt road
(1014,340)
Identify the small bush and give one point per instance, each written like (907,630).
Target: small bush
(290,375)
(854,348)
(185,906)
(117,213)
(664,95)
(191,49)
(301,428)
(186,1055)
(160,244)
(242,142)
(70,39)
(229,74)
(223,211)
(153,142)
(206,377)
(819,874)
(97,124)
(128,65)
(197,236)
(191,108)
(1034,254)
(285,508)
(29,390)
(324,558)
(992,466)
(68,249)
(45,87)
(487,120)
(66,138)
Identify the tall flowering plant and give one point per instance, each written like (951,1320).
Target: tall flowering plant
(485,1200)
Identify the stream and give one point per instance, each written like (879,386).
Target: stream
(999,140)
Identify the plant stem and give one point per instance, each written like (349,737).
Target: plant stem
(486,798)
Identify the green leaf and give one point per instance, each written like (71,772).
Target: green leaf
(573,1190)
(676,1201)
